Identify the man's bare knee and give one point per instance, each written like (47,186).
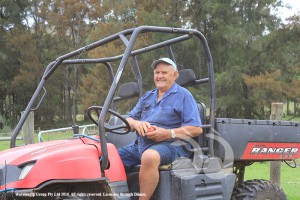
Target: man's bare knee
(150,157)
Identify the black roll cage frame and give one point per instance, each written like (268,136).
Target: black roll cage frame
(184,34)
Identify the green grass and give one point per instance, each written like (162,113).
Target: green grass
(291,118)
(56,136)
(290,177)
(46,137)
(6,144)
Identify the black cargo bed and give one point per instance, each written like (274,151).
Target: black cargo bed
(257,139)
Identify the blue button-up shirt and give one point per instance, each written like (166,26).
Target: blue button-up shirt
(176,108)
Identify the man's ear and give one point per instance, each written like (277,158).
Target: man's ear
(176,74)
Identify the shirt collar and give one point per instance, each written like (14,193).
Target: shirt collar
(173,89)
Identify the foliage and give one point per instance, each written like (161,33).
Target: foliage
(279,77)
(256,57)
(265,88)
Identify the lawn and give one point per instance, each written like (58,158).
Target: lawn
(46,137)
(290,177)
(6,144)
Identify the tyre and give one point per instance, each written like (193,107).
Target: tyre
(258,190)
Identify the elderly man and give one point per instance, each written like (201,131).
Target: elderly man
(160,117)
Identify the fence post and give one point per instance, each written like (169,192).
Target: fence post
(275,166)
(28,129)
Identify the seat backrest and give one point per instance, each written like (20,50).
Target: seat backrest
(202,111)
(127,90)
(186,77)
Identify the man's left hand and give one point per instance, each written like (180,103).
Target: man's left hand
(159,134)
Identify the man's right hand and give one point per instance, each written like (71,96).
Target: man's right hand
(140,126)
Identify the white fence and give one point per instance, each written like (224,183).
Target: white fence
(85,129)
(8,138)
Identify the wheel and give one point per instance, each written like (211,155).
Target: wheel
(97,109)
(258,190)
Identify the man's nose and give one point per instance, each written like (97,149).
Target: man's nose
(159,75)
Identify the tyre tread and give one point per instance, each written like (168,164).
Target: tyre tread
(254,189)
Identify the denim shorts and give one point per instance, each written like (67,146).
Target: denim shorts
(168,151)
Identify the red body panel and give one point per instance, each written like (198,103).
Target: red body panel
(66,159)
(116,171)
(271,151)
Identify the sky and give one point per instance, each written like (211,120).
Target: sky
(295,8)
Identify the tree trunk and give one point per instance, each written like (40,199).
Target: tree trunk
(67,95)
(75,88)
(287,107)
(76,42)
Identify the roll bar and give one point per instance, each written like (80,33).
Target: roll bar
(133,33)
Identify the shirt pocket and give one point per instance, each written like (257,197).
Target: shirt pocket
(167,116)
(145,110)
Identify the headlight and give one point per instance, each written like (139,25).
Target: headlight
(25,170)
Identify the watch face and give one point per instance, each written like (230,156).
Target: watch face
(173,135)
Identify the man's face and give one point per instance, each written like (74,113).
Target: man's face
(164,76)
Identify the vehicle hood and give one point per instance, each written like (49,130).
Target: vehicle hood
(32,152)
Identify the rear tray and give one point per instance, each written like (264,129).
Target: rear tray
(247,139)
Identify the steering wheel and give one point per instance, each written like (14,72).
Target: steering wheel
(114,129)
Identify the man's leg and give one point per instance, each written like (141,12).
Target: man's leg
(149,174)
(130,155)
(159,154)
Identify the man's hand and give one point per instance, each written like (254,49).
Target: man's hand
(158,134)
(140,126)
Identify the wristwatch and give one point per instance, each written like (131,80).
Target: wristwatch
(173,134)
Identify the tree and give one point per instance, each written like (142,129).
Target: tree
(12,16)
(283,65)
(265,89)
(246,40)
(70,19)
(235,31)
(126,14)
